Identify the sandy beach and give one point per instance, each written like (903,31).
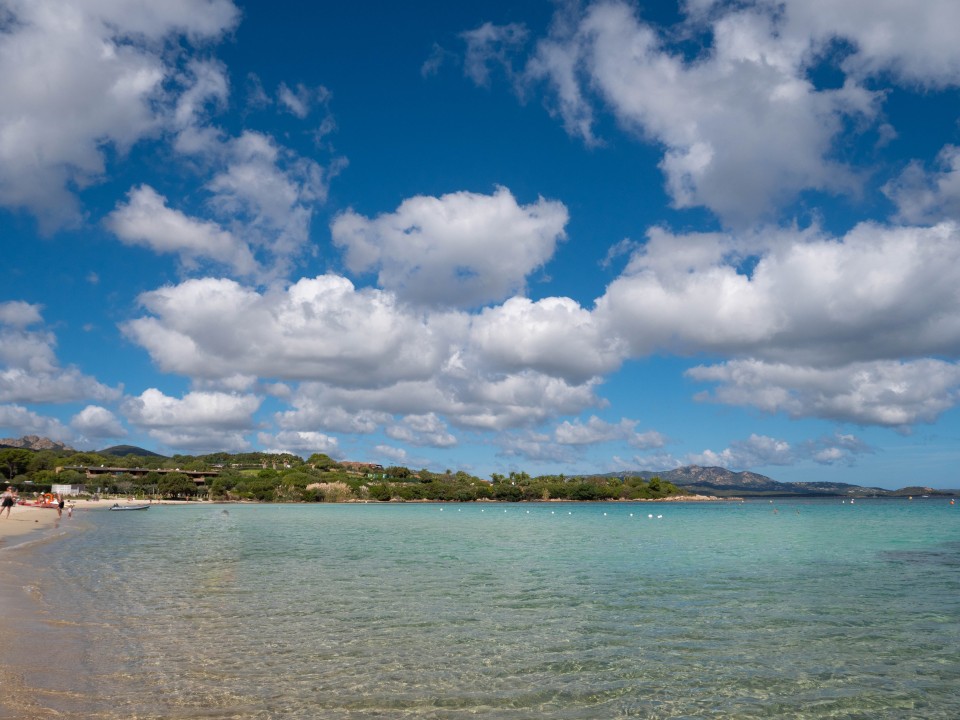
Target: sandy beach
(26,519)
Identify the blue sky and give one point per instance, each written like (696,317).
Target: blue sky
(556,237)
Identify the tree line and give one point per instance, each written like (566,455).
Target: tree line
(283,477)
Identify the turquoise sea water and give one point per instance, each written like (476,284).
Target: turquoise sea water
(792,609)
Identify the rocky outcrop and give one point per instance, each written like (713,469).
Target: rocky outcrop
(34,442)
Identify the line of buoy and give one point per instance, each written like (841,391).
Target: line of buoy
(552,512)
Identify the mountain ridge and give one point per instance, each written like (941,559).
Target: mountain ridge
(721,482)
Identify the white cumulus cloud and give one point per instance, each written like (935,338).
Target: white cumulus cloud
(459,250)
(97,422)
(304,443)
(319,328)
(145,219)
(596,430)
(914,43)
(29,369)
(554,336)
(891,393)
(424,430)
(743,129)
(756,450)
(103,65)
(199,421)
(810,299)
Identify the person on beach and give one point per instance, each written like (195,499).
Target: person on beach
(59,505)
(8,500)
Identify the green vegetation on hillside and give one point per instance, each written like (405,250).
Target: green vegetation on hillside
(273,477)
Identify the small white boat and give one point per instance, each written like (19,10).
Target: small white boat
(130,507)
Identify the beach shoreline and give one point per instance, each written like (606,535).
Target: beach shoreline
(27,521)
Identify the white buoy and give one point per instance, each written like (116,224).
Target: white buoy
(650,515)
(659,517)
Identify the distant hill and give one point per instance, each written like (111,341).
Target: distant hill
(34,442)
(724,483)
(718,478)
(125,450)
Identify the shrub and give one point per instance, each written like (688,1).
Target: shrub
(380,492)
(332,492)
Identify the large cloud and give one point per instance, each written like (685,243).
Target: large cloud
(877,293)
(743,128)
(743,125)
(458,250)
(863,328)
(470,401)
(79,78)
(820,322)
(317,329)
(84,81)
(887,393)
(554,336)
(733,93)
(198,421)
(361,357)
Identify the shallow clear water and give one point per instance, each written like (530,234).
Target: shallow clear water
(723,610)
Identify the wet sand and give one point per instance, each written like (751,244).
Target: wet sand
(24,520)
(40,651)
